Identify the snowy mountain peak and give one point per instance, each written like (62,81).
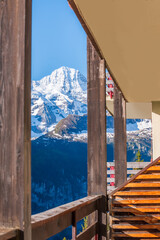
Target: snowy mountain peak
(55,96)
(65,79)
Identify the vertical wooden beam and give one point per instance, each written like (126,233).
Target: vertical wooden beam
(120,152)
(15,81)
(74,226)
(96,124)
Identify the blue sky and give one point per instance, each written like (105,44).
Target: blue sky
(57,38)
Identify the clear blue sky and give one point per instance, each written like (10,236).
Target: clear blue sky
(57,38)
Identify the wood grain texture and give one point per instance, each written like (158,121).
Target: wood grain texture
(74,226)
(148,176)
(136,234)
(89,233)
(138,193)
(136,206)
(120,149)
(8,233)
(15,69)
(96,122)
(96,97)
(137,201)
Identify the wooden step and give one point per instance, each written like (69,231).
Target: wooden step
(154,218)
(136,209)
(137,193)
(136,234)
(137,201)
(148,176)
(143,185)
(153,168)
(136,226)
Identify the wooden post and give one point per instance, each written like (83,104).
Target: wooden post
(74,226)
(15,82)
(96,86)
(120,152)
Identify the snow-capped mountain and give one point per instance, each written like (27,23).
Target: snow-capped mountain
(64,93)
(55,96)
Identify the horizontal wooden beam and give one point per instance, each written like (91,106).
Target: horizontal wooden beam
(8,233)
(137,201)
(137,209)
(143,185)
(88,233)
(135,226)
(150,219)
(137,234)
(153,168)
(137,193)
(148,176)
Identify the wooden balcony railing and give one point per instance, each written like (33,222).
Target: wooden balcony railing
(51,222)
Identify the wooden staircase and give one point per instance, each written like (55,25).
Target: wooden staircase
(134,207)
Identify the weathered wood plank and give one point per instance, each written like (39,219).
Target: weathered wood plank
(120,150)
(96,122)
(137,201)
(27,122)
(137,209)
(153,168)
(89,233)
(148,176)
(136,234)
(7,233)
(96,99)
(154,218)
(143,185)
(86,210)
(137,193)
(15,80)
(136,226)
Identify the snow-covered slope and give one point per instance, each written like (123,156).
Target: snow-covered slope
(55,96)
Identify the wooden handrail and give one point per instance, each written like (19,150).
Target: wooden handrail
(51,222)
(8,233)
